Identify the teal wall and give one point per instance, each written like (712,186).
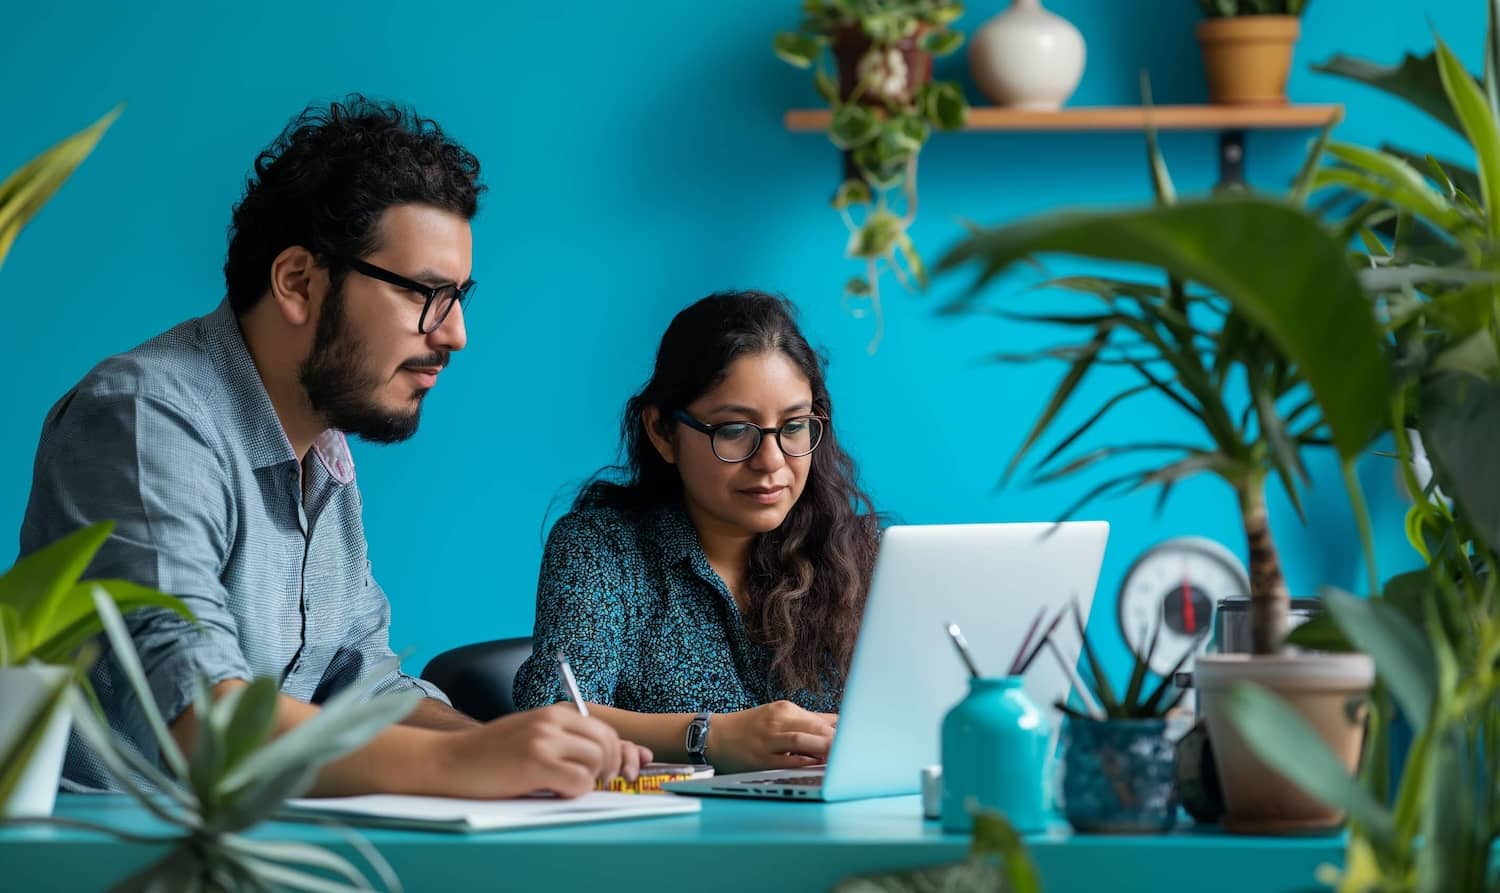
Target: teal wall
(636,161)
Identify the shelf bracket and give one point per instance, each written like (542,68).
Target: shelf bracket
(1231,159)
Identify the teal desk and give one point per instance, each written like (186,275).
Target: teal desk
(733,845)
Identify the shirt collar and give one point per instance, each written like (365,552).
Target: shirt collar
(675,537)
(256,424)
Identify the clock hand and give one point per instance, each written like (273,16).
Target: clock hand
(1189,616)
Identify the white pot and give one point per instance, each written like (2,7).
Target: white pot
(22,691)
(1027,58)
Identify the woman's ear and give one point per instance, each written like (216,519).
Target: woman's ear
(651,421)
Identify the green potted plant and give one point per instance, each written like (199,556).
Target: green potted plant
(1260,333)
(1118,764)
(46,616)
(1428,230)
(237,775)
(1247,48)
(884,107)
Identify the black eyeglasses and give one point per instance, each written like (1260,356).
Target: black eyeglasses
(738,441)
(439,299)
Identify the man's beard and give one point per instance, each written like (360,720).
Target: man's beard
(342,390)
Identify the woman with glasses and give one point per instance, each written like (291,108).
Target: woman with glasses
(708,591)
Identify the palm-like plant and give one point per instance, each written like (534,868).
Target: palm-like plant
(236,777)
(1258,331)
(1435,635)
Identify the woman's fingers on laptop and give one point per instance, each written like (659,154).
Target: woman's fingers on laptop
(803,744)
(791,761)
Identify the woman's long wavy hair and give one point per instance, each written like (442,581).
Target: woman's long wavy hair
(808,578)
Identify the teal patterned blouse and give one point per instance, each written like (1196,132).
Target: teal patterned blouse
(645,621)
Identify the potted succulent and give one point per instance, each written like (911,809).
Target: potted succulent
(1118,764)
(1429,234)
(237,775)
(1247,48)
(1259,331)
(885,105)
(46,616)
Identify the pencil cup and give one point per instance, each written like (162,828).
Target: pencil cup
(995,744)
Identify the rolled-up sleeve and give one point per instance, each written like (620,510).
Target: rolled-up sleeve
(142,461)
(580,612)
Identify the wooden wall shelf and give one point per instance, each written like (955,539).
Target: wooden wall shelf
(1231,122)
(1083,118)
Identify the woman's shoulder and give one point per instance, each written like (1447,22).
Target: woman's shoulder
(604,527)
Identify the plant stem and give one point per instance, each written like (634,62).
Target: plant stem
(1269,600)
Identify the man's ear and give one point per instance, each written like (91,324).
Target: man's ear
(297,284)
(651,421)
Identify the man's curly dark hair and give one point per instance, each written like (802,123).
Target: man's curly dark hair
(328,177)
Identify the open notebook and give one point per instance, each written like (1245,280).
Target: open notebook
(453,814)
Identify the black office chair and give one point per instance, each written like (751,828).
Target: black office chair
(479,678)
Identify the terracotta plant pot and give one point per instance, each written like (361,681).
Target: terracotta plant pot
(908,66)
(1248,58)
(1329,691)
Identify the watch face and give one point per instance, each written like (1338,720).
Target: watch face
(1180,582)
(697,735)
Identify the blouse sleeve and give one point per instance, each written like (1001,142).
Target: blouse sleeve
(580,611)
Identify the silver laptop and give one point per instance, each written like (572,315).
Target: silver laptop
(990,579)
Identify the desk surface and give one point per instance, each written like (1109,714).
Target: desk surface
(731,845)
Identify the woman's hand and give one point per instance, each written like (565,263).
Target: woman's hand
(779,735)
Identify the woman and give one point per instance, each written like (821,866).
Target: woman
(714,592)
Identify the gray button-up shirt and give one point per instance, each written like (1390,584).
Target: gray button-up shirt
(177,443)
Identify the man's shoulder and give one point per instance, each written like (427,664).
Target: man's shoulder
(176,368)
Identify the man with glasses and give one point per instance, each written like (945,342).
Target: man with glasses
(218,449)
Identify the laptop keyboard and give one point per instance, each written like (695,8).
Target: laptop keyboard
(794,780)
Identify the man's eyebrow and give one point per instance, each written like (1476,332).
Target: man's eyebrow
(432,277)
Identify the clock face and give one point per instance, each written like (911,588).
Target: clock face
(1179,581)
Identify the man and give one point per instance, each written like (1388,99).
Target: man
(218,449)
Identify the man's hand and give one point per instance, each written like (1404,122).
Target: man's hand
(779,735)
(553,749)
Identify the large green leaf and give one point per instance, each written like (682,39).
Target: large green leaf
(1401,654)
(1283,740)
(1278,266)
(1460,423)
(1479,125)
(1415,80)
(37,584)
(76,621)
(24,192)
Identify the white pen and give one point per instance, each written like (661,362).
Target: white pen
(570,682)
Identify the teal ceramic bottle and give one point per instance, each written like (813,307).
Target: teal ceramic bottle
(995,744)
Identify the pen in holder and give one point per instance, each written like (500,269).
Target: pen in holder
(995,746)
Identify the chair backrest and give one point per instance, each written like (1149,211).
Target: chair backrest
(479,678)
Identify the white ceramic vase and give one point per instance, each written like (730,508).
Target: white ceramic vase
(22,691)
(1027,57)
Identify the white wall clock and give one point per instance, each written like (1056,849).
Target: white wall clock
(1180,580)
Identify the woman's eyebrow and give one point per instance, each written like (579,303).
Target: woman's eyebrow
(746,410)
